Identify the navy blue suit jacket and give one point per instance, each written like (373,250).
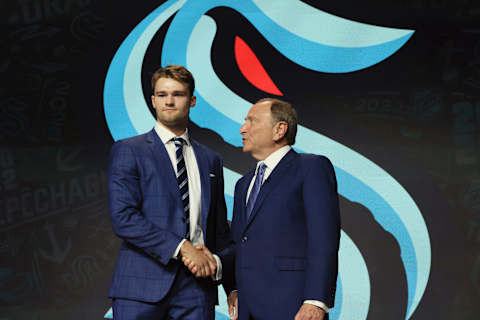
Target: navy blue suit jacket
(287,251)
(147,213)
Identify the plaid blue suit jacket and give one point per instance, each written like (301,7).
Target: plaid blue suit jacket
(147,213)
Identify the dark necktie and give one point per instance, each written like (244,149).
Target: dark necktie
(182,180)
(255,189)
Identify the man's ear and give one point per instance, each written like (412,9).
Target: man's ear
(193,101)
(280,130)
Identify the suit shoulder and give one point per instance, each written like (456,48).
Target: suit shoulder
(310,158)
(129,145)
(313,162)
(132,141)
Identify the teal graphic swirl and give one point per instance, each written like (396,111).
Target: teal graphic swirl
(315,40)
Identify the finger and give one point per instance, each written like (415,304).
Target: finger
(206,272)
(230,309)
(236,307)
(193,269)
(212,268)
(235,317)
(212,264)
(188,264)
(198,273)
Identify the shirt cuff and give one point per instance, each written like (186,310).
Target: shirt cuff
(218,275)
(177,251)
(319,304)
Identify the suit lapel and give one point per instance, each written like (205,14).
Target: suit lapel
(204,171)
(272,182)
(163,163)
(243,197)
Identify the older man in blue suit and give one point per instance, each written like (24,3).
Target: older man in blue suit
(286,223)
(167,205)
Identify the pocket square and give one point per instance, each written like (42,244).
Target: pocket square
(212,175)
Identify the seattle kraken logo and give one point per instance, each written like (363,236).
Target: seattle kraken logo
(314,40)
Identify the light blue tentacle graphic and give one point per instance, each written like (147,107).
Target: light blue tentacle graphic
(328,29)
(188,41)
(354,50)
(353,288)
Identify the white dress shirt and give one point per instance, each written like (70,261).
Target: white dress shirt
(271,162)
(194,187)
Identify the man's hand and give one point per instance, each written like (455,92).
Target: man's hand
(207,252)
(310,312)
(233,304)
(198,260)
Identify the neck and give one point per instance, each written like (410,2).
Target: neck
(177,129)
(267,152)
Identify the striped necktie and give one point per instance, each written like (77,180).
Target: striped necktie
(255,189)
(182,180)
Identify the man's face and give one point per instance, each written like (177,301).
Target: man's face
(172,102)
(258,132)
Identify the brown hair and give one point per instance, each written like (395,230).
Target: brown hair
(175,72)
(283,111)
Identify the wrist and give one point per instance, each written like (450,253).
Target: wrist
(186,246)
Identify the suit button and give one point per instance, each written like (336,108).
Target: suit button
(244,239)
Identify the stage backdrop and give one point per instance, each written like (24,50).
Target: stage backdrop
(390,92)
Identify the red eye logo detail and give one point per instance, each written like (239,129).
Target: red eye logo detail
(252,68)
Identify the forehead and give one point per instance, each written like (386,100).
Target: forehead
(260,110)
(169,84)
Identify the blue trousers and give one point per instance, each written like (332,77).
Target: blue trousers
(189,299)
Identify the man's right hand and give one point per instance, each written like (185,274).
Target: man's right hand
(198,262)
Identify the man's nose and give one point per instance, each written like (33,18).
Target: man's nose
(243,128)
(169,100)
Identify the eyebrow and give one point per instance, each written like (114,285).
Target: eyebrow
(176,91)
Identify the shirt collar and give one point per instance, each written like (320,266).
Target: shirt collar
(166,135)
(274,158)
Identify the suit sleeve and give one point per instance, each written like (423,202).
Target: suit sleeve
(323,230)
(229,282)
(224,242)
(125,201)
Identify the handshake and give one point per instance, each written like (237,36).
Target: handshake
(199,260)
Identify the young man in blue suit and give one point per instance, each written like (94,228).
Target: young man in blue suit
(167,204)
(286,223)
